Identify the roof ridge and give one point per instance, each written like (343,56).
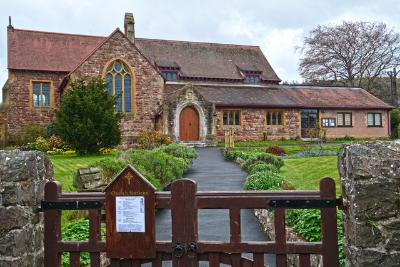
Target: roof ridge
(197,42)
(61,33)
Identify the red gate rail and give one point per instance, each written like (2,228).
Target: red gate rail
(184,202)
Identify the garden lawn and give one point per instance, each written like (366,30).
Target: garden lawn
(65,167)
(305,173)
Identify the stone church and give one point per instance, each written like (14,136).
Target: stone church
(193,91)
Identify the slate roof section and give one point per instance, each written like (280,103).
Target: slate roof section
(208,60)
(282,96)
(48,51)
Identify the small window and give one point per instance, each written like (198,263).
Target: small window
(328,122)
(231,117)
(41,94)
(170,75)
(374,119)
(252,78)
(273,118)
(344,119)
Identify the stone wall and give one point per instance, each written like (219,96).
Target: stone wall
(253,125)
(370,184)
(23,175)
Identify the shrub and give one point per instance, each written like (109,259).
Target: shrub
(180,151)
(55,142)
(264,157)
(276,150)
(288,186)
(234,154)
(39,144)
(87,120)
(265,180)
(261,166)
(163,166)
(79,231)
(28,134)
(152,139)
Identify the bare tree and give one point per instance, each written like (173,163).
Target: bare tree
(352,53)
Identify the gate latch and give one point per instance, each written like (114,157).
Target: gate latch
(178,250)
(192,249)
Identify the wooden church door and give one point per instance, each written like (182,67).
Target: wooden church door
(189,125)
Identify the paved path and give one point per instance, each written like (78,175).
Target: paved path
(212,173)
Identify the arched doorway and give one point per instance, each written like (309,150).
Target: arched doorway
(189,125)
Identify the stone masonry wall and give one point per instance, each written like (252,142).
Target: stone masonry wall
(370,184)
(23,175)
(149,86)
(253,125)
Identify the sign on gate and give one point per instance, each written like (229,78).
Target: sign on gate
(130,216)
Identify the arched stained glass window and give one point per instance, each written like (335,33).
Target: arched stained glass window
(119,83)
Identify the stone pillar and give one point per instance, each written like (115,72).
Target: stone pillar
(370,184)
(23,175)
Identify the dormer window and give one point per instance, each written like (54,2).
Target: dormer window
(170,75)
(252,78)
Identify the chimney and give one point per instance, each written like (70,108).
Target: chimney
(129,26)
(10,27)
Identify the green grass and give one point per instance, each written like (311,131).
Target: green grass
(305,173)
(65,167)
(293,149)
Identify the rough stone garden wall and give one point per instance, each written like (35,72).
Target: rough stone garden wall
(23,175)
(370,184)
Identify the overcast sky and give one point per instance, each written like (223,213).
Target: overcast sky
(277,26)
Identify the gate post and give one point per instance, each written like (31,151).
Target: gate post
(184,220)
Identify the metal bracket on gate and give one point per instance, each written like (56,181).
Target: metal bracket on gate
(304,203)
(70,205)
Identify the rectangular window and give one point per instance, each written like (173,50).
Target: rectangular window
(252,78)
(41,94)
(273,117)
(231,117)
(170,75)
(344,119)
(328,122)
(374,119)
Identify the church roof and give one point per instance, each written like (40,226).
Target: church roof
(49,51)
(283,96)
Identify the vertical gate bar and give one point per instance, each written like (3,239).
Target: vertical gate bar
(136,263)
(115,263)
(52,226)
(157,262)
(258,260)
(74,259)
(330,249)
(305,260)
(235,260)
(280,237)
(235,225)
(184,219)
(126,263)
(213,259)
(94,235)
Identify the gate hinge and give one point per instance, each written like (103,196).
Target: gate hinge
(304,203)
(70,205)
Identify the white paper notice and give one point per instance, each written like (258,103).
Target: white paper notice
(130,214)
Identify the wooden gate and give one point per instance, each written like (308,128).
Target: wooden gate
(185,249)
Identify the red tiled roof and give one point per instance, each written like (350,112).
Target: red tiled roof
(36,50)
(282,96)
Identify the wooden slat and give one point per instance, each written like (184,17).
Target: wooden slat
(235,225)
(115,263)
(258,259)
(74,259)
(304,260)
(280,237)
(52,226)
(235,260)
(126,263)
(329,225)
(184,219)
(94,235)
(157,262)
(213,260)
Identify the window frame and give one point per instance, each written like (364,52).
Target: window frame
(132,86)
(51,95)
(274,111)
(374,124)
(231,110)
(343,114)
(164,73)
(330,118)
